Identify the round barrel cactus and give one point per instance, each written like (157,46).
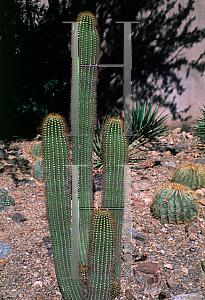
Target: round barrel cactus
(191,175)
(174,203)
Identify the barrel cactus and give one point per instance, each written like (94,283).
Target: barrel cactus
(191,175)
(5,199)
(36,150)
(174,203)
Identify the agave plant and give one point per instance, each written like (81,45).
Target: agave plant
(148,123)
(200,125)
(145,124)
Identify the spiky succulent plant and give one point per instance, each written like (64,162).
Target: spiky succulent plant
(191,175)
(174,203)
(145,123)
(200,125)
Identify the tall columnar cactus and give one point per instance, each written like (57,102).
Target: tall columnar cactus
(100,236)
(85,55)
(102,255)
(191,175)
(58,198)
(115,157)
(174,203)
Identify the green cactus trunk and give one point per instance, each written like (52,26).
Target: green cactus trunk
(102,255)
(85,54)
(58,198)
(115,156)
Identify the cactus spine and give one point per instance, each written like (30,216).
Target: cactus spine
(102,255)
(115,157)
(58,198)
(191,175)
(85,54)
(174,203)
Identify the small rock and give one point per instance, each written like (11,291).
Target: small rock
(129,295)
(189,136)
(148,274)
(141,185)
(188,297)
(148,267)
(192,229)
(15,294)
(3,261)
(139,235)
(167,153)
(169,266)
(20,161)
(17,217)
(172,284)
(27,181)
(176,130)
(192,236)
(185,270)
(38,283)
(162,251)
(200,161)
(5,250)
(3,153)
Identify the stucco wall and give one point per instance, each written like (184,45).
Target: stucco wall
(195,83)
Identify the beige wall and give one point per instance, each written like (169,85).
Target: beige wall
(195,84)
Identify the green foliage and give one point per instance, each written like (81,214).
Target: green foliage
(191,175)
(200,125)
(174,203)
(37,169)
(147,123)
(114,151)
(5,199)
(85,51)
(58,198)
(36,150)
(144,123)
(101,255)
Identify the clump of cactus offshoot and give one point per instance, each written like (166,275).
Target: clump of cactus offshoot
(5,199)
(174,203)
